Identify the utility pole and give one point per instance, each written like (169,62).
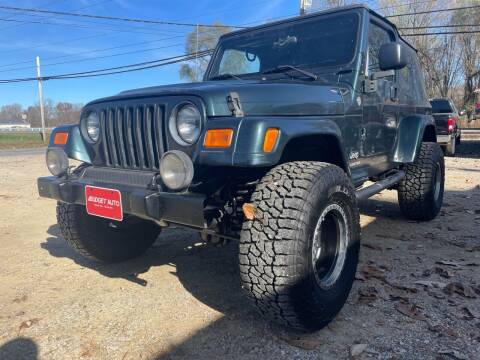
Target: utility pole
(196,54)
(40,99)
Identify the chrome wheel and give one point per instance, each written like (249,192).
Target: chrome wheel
(330,244)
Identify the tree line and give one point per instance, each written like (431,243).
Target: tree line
(55,113)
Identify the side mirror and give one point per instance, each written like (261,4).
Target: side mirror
(392,56)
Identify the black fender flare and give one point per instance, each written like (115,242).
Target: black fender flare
(411,131)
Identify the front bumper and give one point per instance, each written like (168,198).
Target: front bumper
(137,198)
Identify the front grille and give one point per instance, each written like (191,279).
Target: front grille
(132,136)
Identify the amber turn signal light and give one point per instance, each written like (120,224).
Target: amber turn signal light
(60,138)
(218,138)
(271,137)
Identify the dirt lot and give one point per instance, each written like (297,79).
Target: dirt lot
(417,294)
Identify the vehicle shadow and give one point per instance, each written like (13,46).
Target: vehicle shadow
(19,348)
(469,148)
(211,275)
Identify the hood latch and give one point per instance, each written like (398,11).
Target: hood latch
(234,104)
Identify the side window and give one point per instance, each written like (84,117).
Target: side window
(410,80)
(377,36)
(238,62)
(419,84)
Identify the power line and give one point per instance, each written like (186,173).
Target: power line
(81,26)
(56,2)
(89,52)
(108,71)
(437,26)
(434,11)
(444,33)
(98,57)
(145,21)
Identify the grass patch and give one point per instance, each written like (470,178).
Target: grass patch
(21,140)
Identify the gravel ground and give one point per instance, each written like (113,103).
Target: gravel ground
(416,295)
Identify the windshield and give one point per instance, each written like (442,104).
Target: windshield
(441,106)
(326,40)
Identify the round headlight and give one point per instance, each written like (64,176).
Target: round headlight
(188,123)
(176,170)
(92,125)
(57,161)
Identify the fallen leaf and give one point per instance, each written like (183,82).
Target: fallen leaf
(372,246)
(460,289)
(428,283)
(397,297)
(410,310)
(443,273)
(401,287)
(442,330)
(20,299)
(371,271)
(448,263)
(469,314)
(368,295)
(28,323)
(357,349)
(427,273)
(359,276)
(456,354)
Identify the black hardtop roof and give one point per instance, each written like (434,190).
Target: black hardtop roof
(315,14)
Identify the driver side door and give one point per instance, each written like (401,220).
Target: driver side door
(380,106)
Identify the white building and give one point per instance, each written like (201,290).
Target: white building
(13,124)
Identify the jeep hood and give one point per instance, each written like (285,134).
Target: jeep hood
(257,97)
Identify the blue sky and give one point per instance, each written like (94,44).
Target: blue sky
(83,43)
(68,39)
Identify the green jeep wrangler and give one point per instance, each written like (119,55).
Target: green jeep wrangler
(273,150)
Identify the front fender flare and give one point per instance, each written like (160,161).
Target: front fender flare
(249,145)
(75,147)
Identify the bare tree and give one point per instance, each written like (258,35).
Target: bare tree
(11,112)
(200,39)
(439,55)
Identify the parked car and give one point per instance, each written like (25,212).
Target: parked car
(446,119)
(271,150)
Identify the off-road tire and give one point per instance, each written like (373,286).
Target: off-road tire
(451,147)
(276,264)
(417,192)
(105,240)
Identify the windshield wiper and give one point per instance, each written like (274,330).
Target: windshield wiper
(225,76)
(284,68)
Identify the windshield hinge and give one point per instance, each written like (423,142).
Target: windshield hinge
(369,86)
(234,104)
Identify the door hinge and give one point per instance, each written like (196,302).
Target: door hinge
(234,104)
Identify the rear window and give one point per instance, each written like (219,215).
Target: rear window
(441,106)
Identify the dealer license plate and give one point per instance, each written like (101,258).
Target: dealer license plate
(103,202)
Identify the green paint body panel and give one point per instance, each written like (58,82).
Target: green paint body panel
(372,131)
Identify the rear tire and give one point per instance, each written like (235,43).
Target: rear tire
(105,240)
(298,256)
(420,193)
